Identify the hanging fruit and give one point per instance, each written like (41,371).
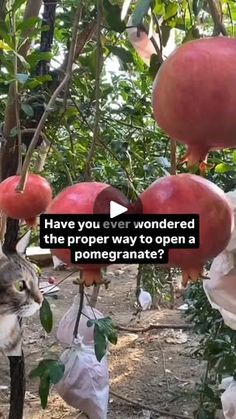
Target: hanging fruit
(191,194)
(194,97)
(85,198)
(26,205)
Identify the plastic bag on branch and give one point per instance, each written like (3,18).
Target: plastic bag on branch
(85,384)
(228,398)
(221,288)
(145,299)
(231,196)
(141,42)
(67,323)
(143,45)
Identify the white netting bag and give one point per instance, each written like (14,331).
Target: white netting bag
(228,398)
(85,384)
(67,323)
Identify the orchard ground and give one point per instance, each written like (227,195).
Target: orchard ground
(154,368)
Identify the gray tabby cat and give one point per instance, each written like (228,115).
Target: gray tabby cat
(19,296)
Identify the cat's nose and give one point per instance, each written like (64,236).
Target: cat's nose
(38,298)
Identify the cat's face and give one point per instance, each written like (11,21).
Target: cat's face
(19,291)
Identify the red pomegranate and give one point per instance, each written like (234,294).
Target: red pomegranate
(26,205)
(85,198)
(194,96)
(191,194)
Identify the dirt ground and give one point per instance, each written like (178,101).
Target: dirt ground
(153,369)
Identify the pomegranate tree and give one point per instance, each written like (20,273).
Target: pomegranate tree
(194,97)
(26,205)
(191,194)
(85,198)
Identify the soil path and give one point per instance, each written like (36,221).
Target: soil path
(154,368)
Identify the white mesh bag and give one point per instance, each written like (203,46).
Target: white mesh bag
(85,384)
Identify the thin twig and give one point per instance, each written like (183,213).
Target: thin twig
(231,18)
(99,65)
(67,170)
(106,148)
(150,408)
(173,158)
(74,41)
(94,296)
(154,326)
(81,303)
(164,367)
(219,26)
(172,172)
(53,147)
(48,109)
(16,97)
(159,33)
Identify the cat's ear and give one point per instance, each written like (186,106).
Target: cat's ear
(23,243)
(2,254)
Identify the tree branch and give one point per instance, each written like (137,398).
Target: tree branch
(82,40)
(32,10)
(99,65)
(154,326)
(49,107)
(150,408)
(216,16)
(106,147)
(74,41)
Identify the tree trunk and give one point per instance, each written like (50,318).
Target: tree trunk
(17,374)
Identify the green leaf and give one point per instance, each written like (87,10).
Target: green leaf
(112,14)
(27,109)
(104,329)
(165,32)
(49,367)
(234,156)
(27,24)
(89,61)
(37,56)
(38,81)
(17,4)
(192,33)
(4,46)
(50,372)
(44,387)
(5,31)
(13,132)
(46,316)
(154,66)
(100,343)
(22,77)
(223,168)
(140,11)
(171,10)
(159,8)
(123,54)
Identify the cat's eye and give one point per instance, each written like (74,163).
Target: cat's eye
(20,286)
